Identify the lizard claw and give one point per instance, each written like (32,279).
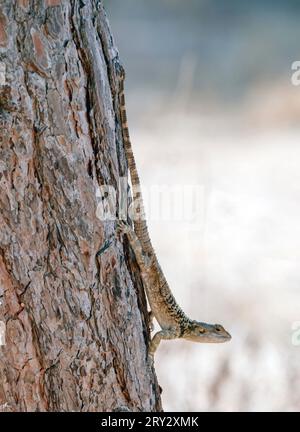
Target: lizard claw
(150,360)
(122,227)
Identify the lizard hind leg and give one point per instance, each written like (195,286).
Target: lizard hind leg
(151,318)
(143,259)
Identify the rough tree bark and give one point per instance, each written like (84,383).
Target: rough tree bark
(76,326)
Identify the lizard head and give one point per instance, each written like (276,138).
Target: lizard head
(205,333)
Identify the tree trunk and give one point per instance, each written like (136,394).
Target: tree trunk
(74,328)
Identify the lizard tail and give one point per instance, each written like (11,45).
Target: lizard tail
(140,225)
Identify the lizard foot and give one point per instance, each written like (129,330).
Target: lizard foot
(150,360)
(151,317)
(122,227)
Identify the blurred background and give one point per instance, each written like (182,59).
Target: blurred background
(214,121)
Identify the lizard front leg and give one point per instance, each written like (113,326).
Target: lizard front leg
(166,334)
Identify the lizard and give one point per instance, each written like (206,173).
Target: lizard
(173,321)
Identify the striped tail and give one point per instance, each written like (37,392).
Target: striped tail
(140,225)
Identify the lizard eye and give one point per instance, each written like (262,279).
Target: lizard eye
(218,328)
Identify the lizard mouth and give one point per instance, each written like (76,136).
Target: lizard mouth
(224,338)
(213,338)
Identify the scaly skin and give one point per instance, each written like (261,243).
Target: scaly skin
(173,321)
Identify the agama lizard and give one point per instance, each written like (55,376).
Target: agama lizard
(173,321)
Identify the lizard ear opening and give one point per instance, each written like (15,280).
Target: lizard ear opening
(198,329)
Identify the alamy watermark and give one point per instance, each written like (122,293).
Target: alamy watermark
(295,78)
(2,333)
(296,333)
(2,330)
(2,73)
(163,203)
